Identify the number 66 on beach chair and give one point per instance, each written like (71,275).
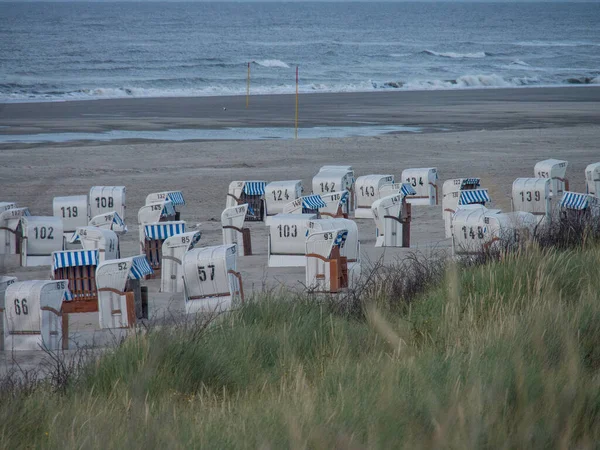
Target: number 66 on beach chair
(211,282)
(4,283)
(32,315)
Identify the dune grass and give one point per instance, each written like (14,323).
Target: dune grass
(504,355)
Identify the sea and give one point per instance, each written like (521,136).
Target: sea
(98,50)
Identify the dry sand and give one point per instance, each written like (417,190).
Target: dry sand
(501,144)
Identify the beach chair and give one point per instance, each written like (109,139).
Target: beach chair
(424,182)
(287,239)
(40,236)
(578,206)
(280,193)
(120,302)
(350,248)
(173,249)
(153,238)
(73,211)
(211,281)
(232,225)
(32,315)
(10,235)
(555,170)
(106,199)
(332,179)
(477,229)
(592,179)
(4,283)
(326,267)
(367,191)
(94,238)
(532,195)
(110,221)
(458,192)
(251,193)
(175,197)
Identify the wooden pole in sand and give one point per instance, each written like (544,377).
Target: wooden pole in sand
(296,121)
(248,87)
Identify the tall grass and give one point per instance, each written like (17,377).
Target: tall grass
(504,355)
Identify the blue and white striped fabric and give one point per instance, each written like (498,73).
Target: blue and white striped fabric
(345,197)
(471,196)
(164,230)
(168,209)
(176,198)
(255,187)
(573,200)
(140,267)
(68,296)
(74,238)
(117,219)
(74,258)
(475,181)
(341,238)
(407,189)
(313,202)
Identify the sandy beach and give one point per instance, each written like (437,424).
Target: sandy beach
(497,135)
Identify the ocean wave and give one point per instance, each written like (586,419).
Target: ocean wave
(272,63)
(583,80)
(518,62)
(456,55)
(18,93)
(462,82)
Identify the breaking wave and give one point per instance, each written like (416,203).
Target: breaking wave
(456,55)
(272,63)
(13,92)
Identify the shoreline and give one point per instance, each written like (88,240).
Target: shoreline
(313,92)
(428,111)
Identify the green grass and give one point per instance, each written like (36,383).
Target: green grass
(505,355)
